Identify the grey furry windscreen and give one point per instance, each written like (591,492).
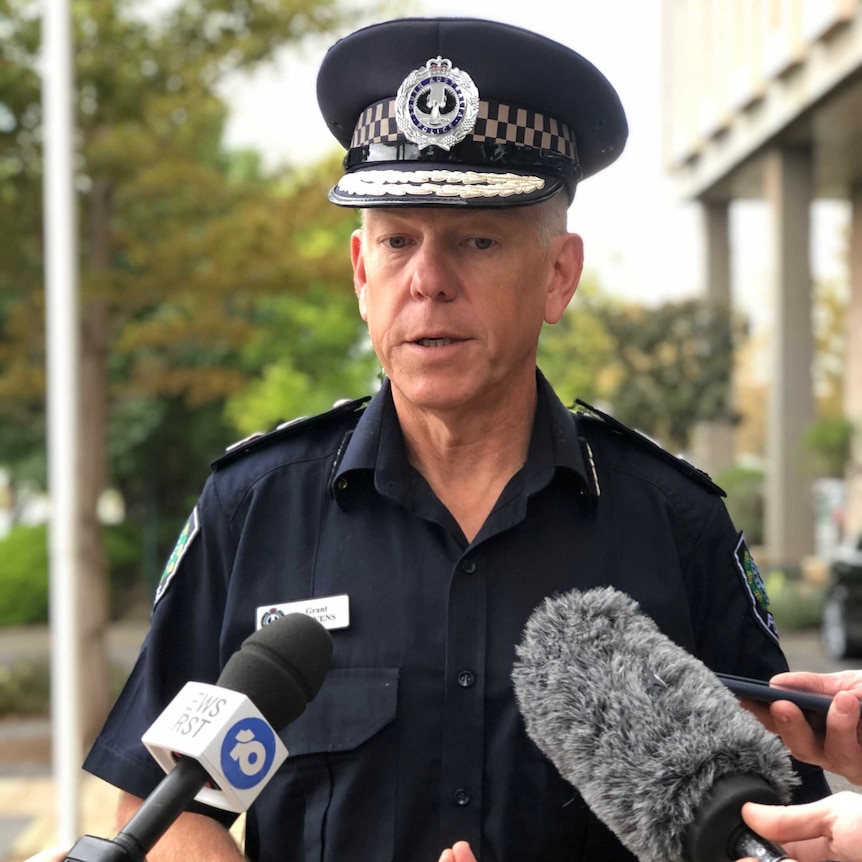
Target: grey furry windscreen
(640,727)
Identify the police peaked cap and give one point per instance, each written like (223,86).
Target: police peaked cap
(461,111)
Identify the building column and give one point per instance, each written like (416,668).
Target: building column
(789,499)
(853,369)
(713,441)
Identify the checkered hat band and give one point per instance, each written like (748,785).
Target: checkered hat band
(497,123)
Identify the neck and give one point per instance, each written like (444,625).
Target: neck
(468,457)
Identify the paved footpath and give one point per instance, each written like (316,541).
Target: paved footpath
(27,791)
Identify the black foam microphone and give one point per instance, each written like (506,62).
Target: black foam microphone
(657,747)
(224,733)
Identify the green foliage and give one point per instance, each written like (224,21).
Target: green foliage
(795,603)
(183,245)
(24,576)
(123,547)
(576,354)
(24,571)
(745,500)
(313,353)
(830,334)
(827,446)
(25,688)
(675,364)
(160,451)
(662,369)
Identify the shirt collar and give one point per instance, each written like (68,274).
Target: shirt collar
(376,449)
(556,431)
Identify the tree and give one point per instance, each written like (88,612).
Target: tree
(661,369)
(825,442)
(830,314)
(315,353)
(675,364)
(828,440)
(576,354)
(176,250)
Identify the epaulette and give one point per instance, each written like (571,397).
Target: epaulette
(257,441)
(646,444)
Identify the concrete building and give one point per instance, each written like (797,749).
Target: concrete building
(763,99)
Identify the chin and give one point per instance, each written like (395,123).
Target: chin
(435,394)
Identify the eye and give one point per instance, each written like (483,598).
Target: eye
(396,242)
(482,243)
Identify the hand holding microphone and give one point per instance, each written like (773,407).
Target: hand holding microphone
(830,828)
(460,851)
(224,733)
(658,748)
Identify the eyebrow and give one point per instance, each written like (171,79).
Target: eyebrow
(473,220)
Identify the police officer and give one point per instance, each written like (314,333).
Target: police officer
(422,527)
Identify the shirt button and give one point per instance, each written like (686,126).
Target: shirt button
(466,678)
(462,797)
(468,566)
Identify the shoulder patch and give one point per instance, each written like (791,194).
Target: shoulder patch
(287,429)
(646,444)
(186,537)
(753,582)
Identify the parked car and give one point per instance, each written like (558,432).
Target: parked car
(842,610)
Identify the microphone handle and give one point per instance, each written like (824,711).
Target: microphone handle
(165,804)
(749,843)
(719,834)
(158,811)
(91,848)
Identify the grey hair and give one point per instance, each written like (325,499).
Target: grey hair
(551,217)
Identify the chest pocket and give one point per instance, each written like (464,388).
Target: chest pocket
(334,797)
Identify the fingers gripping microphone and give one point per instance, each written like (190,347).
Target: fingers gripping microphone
(657,747)
(224,734)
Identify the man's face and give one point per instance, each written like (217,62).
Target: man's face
(455,300)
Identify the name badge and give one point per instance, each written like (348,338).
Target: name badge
(332,612)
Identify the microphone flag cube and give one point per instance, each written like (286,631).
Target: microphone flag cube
(224,731)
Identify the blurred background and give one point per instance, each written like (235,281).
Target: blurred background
(724,278)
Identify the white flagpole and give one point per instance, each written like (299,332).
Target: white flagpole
(61,310)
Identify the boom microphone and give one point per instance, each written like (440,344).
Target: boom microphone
(223,735)
(657,747)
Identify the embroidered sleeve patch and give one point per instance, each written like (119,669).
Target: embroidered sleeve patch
(755,587)
(186,537)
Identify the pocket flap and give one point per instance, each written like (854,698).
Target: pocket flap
(352,705)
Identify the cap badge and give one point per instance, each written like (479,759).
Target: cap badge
(437,105)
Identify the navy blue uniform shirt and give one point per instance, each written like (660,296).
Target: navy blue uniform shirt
(415,740)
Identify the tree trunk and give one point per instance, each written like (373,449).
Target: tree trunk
(93,569)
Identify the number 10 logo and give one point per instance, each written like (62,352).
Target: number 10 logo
(247,752)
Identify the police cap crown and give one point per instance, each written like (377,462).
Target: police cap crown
(461,111)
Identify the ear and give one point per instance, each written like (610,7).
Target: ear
(357,258)
(567,262)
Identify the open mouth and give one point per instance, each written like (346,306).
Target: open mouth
(436,342)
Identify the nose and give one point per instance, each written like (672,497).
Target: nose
(434,274)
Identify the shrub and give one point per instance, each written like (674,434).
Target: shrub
(122,544)
(24,566)
(24,576)
(827,446)
(744,487)
(25,688)
(795,603)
